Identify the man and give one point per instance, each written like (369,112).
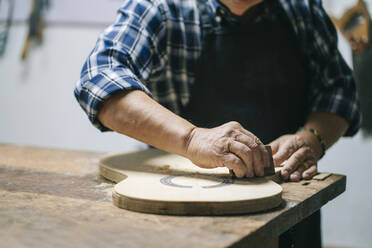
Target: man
(215,80)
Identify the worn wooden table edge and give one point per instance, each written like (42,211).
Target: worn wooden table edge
(305,208)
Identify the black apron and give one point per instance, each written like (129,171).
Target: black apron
(252,72)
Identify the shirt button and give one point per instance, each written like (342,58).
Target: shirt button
(218,19)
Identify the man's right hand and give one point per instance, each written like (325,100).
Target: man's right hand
(135,114)
(228,145)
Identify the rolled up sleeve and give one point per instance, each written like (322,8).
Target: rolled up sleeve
(333,87)
(122,57)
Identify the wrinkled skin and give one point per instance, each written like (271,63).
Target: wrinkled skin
(298,154)
(232,146)
(228,145)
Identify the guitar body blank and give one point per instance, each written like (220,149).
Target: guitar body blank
(153,181)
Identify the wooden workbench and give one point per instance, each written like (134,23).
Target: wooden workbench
(55,198)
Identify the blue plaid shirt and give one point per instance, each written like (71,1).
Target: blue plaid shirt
(154,46)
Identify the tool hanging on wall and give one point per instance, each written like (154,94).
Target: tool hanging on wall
(36,25)
(355,26)
(5,23)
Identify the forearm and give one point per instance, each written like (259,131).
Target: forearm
(330,126)
(136,115)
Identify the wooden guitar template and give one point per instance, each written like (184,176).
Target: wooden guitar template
(153,181)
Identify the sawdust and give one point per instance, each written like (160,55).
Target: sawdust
(163,168)
(106,188)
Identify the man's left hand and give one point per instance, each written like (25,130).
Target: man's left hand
(301,153)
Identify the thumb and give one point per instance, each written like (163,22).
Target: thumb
(282,153)
(274,146)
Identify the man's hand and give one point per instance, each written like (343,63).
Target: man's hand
(301,151)
(228,145)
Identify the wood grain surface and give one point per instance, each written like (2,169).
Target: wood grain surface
(56,198)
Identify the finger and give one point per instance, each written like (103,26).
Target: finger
(274,146)
(257,163)
(285,150)
(234,163)
(265,156)
(247,140)
(256,140)
(245,154)
(297,158)
(297,175)
(253,143)
(309,173)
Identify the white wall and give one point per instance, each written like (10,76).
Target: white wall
(346,220)
(66,11)
(37,107)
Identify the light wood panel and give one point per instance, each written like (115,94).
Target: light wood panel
(154,181)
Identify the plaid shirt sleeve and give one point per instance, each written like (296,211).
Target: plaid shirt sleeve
(122,58)
(333,88)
